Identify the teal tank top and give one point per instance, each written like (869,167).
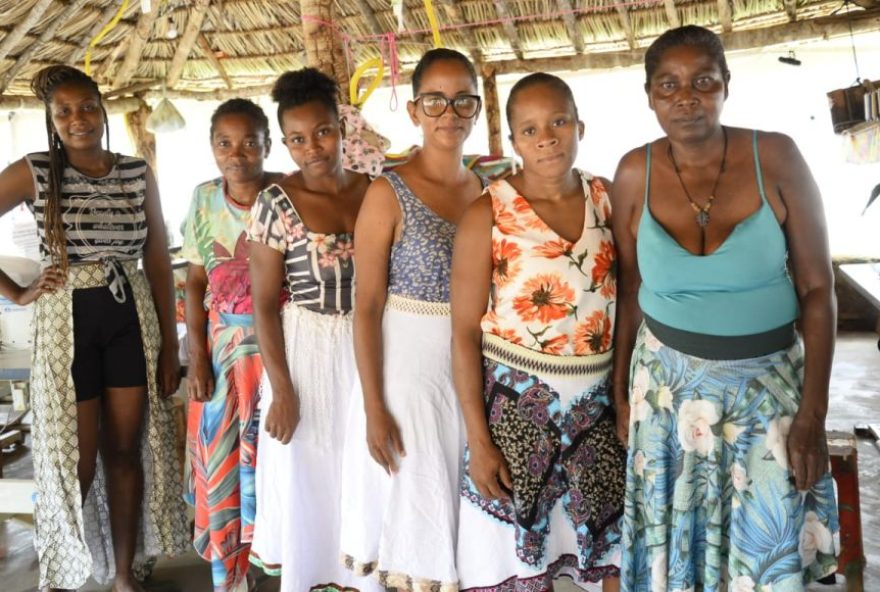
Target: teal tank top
(741,288)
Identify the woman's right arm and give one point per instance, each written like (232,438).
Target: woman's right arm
(16,187)
(374,235)
(470,286)
(626,195)
(267,276)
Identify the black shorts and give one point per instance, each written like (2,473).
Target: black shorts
(108,350)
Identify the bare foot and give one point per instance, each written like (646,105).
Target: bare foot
(126,583)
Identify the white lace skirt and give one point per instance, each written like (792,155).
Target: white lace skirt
(402,528)
(296,531)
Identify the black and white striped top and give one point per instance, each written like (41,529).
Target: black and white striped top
(319,268)
(103,217)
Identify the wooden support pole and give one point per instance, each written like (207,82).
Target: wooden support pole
(724,16)
(672,14)
(791,9)
(187,41)
(136,44)
(144,142)
(323,47)
(492,109)
(626,23)
(571,26)
(509,28)
(45,37)
(215,61)
(21,29)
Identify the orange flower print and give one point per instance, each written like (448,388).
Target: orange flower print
(597,192)
(545,298)
(527,213)
(555,346)
(505,220)
(554,249)
(593,335)
(603,272)
(505,261)
(509,335)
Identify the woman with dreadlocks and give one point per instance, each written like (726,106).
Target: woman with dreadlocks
(105,348)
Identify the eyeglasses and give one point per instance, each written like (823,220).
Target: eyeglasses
(436,104)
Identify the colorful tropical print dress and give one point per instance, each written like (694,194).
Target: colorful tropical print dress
(547,358)
(710,504)
(222,432)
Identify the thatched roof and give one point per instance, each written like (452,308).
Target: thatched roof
(242,44)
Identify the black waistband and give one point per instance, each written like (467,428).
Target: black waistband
(723,347)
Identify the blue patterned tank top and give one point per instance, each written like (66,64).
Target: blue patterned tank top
(422,259)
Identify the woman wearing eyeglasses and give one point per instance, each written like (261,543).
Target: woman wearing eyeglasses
(400,509)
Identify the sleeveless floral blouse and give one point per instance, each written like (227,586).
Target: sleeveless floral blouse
(548,294)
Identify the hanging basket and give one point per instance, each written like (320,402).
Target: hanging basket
(848,105)
(165,118)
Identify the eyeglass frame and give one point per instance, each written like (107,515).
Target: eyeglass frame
(450,102)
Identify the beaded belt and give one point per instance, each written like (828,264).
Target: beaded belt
(419,307)
(517,356)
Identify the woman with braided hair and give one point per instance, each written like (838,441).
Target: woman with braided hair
(105,348)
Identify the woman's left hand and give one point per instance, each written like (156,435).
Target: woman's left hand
(168,371)
(807,450)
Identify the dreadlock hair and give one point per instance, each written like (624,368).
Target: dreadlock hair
(43,85)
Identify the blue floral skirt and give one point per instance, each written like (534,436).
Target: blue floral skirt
(710,504)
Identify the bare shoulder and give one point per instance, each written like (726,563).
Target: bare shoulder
(629,178)
(479,211)
(17,182)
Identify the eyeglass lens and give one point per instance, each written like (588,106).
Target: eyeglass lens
(465,106)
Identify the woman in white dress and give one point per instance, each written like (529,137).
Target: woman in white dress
(301,243)
(404,446)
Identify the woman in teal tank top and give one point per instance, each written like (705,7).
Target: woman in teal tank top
(722,246)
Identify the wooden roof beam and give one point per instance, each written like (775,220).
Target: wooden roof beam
(456,16)
(105,17)
(672,14)
(626,23)
(790,9)
(21,29)
(370,17)
(215,61)
(15,103)
(102,71)
(136,43)
(187,41)
(571,26)
(725,17)
(47,35)
(805,30)
(509,28)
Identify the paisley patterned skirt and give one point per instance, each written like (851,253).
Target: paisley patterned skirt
(550,416)
(709,501)
(72,535)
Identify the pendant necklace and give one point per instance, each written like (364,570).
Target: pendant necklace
(702,211)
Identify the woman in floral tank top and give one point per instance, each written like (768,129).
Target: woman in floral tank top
(543,493)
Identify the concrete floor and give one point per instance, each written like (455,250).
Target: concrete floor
(855,398)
